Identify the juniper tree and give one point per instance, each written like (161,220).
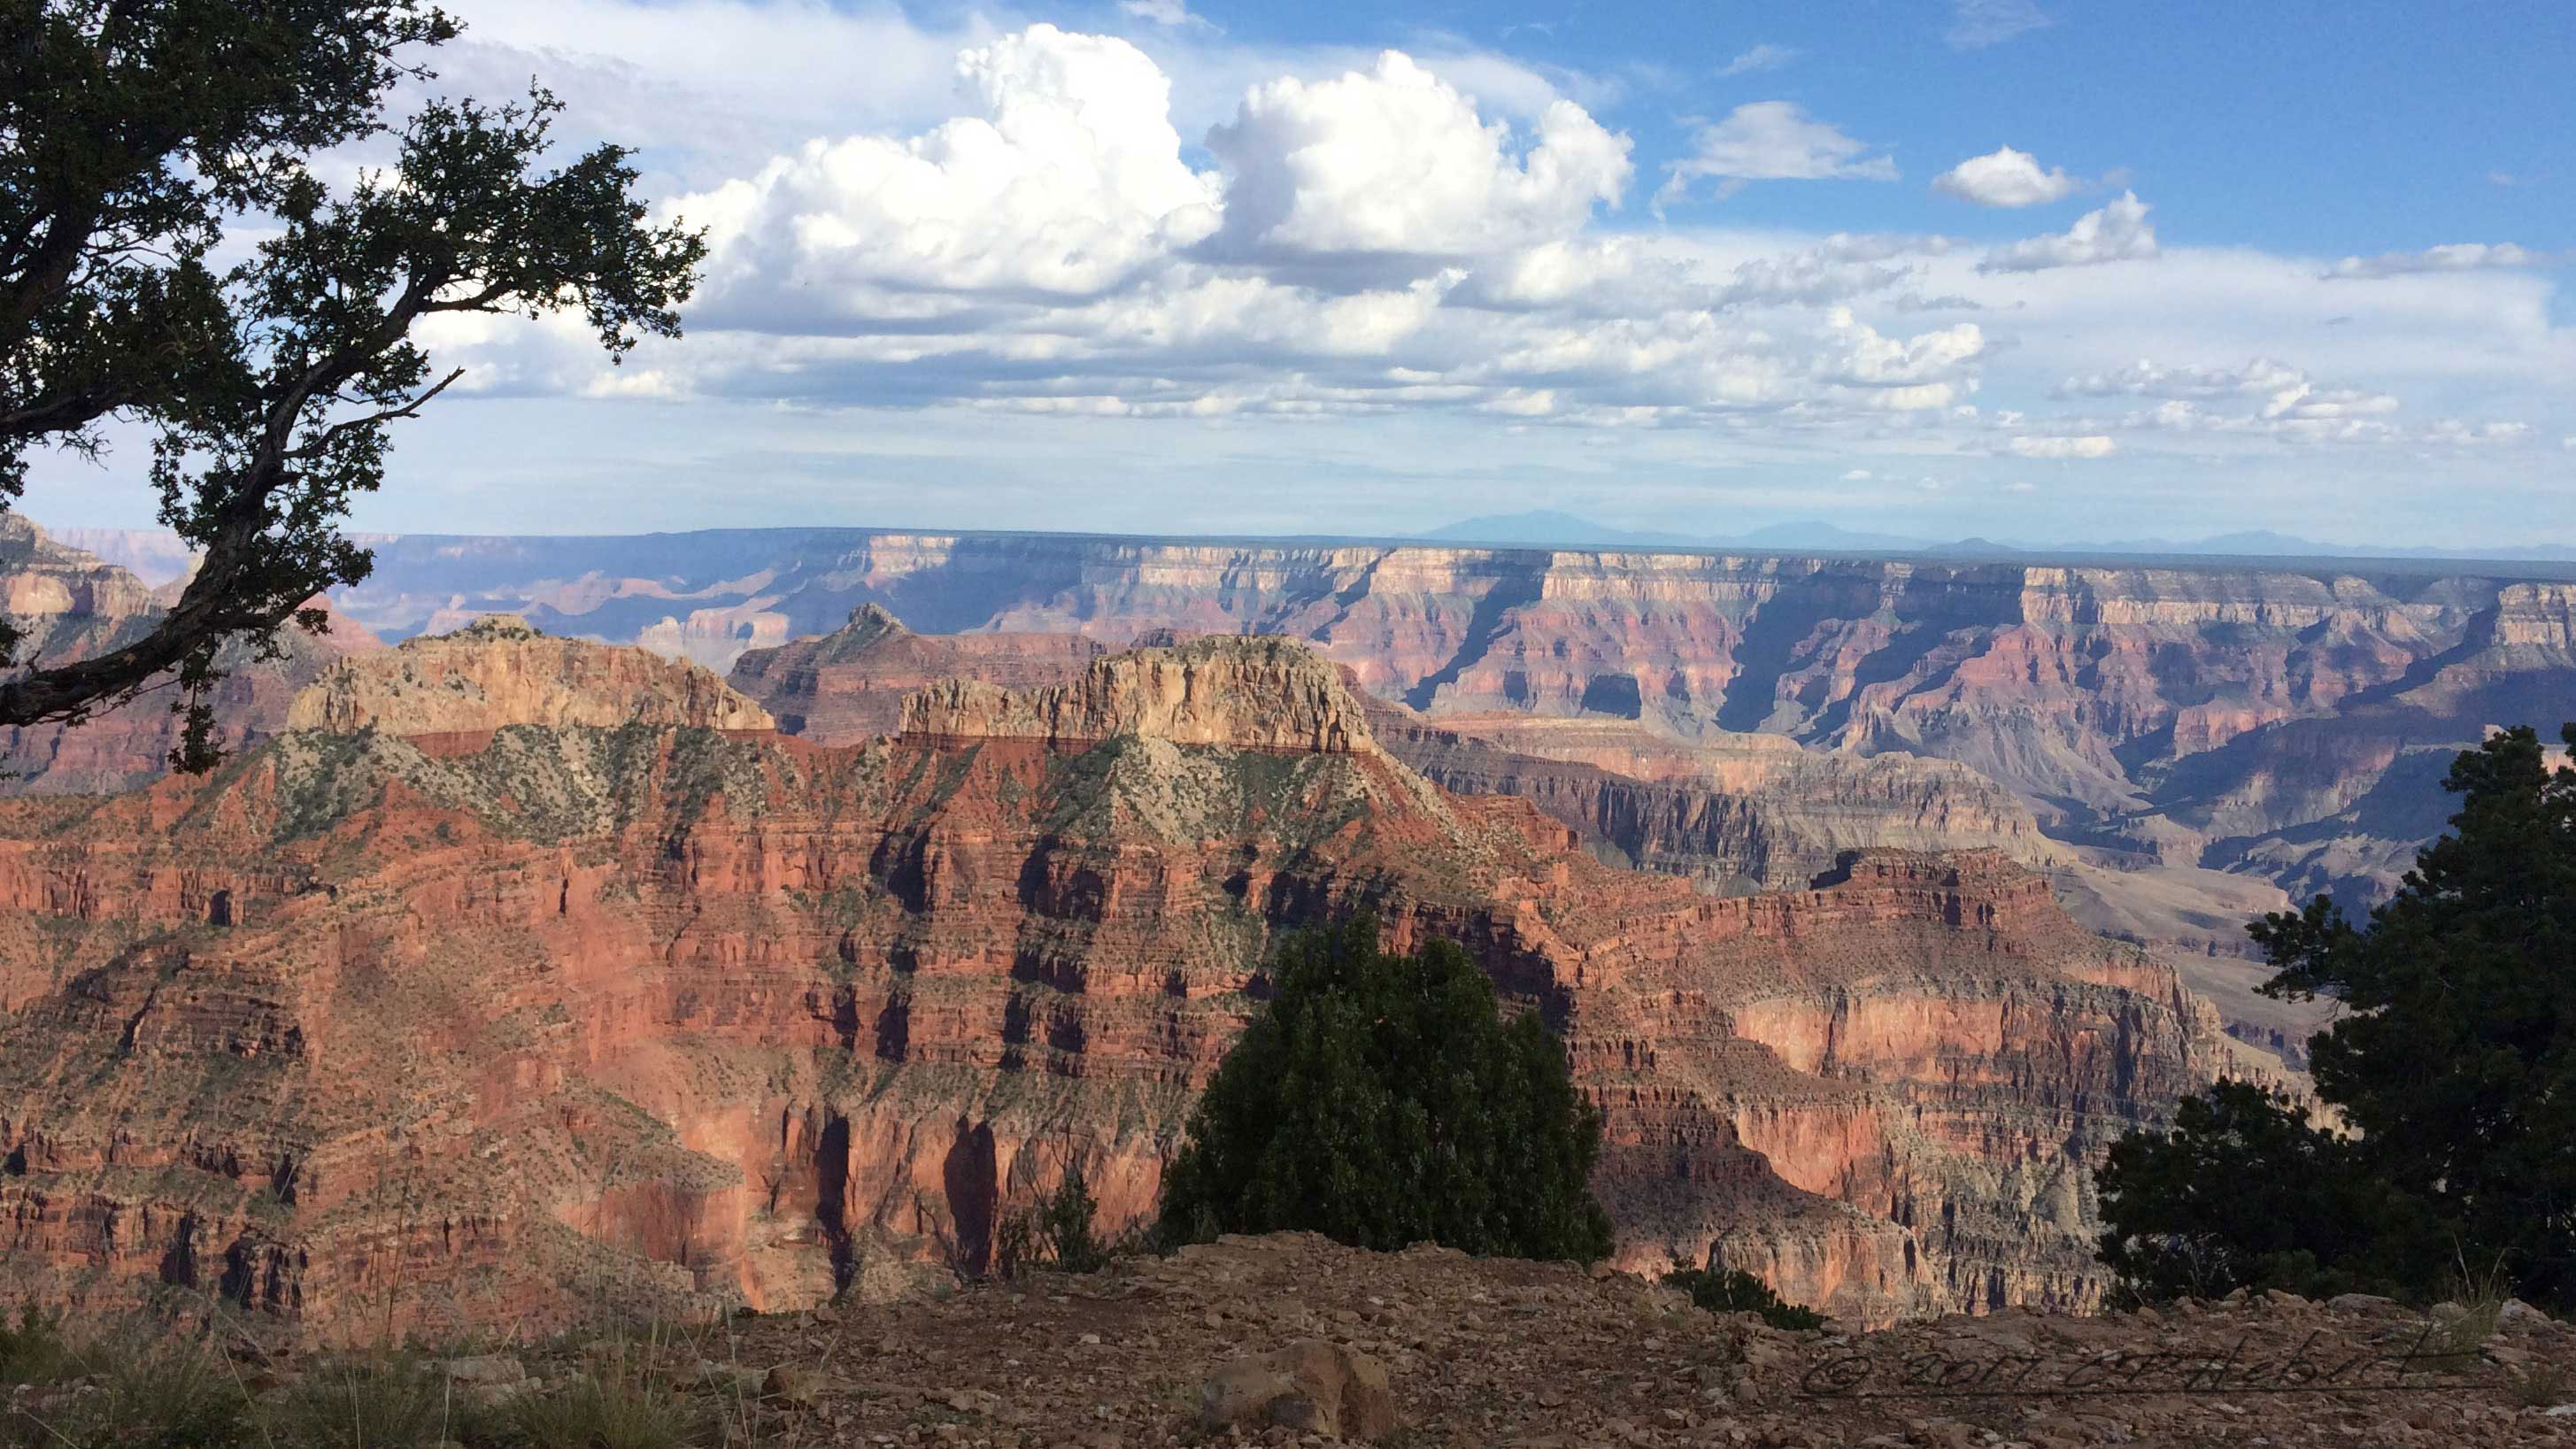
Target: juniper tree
(1382,1100)
(2454,1059)
(135,137)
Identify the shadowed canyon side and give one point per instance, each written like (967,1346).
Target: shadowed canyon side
(2229,716)
(394,1031)
(69,606)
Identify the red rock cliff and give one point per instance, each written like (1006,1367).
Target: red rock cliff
(498,671)
(2162,710)
(849,685)
(69,605)
(393,1034)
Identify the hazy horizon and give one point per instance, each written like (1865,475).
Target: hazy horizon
(157,554)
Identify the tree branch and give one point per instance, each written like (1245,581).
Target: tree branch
(410,409)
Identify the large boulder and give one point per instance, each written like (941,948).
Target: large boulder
(1310,1386)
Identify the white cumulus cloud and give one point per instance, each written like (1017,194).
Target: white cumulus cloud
(2461,433)
(2119,232)
(1371,241)
(2144,378)
(1400,237)
(2262,397)
(2005,177)
(2307,401)
(1773,141)
(1394,161)
(1067,179)
(1875,361)
(2096,446)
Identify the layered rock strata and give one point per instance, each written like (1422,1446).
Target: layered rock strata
(499,671)
(1733,813)
(388,1031)
(847,686)
(69,605)
(2225,716)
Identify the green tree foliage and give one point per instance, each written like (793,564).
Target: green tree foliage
(1381,1100)
(1736,1291)
(2454,1060)
(2244,1192)
(132,134)
(1065,1230)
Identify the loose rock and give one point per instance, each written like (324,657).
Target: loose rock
(1310,1386)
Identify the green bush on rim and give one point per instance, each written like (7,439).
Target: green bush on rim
(1382,1100)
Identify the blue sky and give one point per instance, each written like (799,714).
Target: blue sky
(2029,269)
(2366,125)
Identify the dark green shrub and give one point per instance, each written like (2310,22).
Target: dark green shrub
(1736,1291)
(1381,1100)
(33,1351)
(2454,1059)
(1015,1246)
(1059,1235)
(1064,1228)
(175,1396)
(396,1401)
(2243,1193)
(2541,1386)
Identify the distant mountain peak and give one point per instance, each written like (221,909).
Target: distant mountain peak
(1548,528)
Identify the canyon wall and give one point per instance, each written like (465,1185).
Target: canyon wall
(2238,718)
(1732,812)
(498,671)
(849,685)
(407,1030)
(68,605)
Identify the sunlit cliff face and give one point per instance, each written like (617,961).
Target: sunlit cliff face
(463,1025)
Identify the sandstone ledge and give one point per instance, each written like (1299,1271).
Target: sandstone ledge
(1246,692)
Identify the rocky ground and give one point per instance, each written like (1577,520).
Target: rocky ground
(1503,1353)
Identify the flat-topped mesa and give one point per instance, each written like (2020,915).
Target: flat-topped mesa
(1249,692)
(500,671)
(1983,888)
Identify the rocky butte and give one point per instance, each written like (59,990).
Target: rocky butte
(498,671)
(850,685)
(427,1013)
